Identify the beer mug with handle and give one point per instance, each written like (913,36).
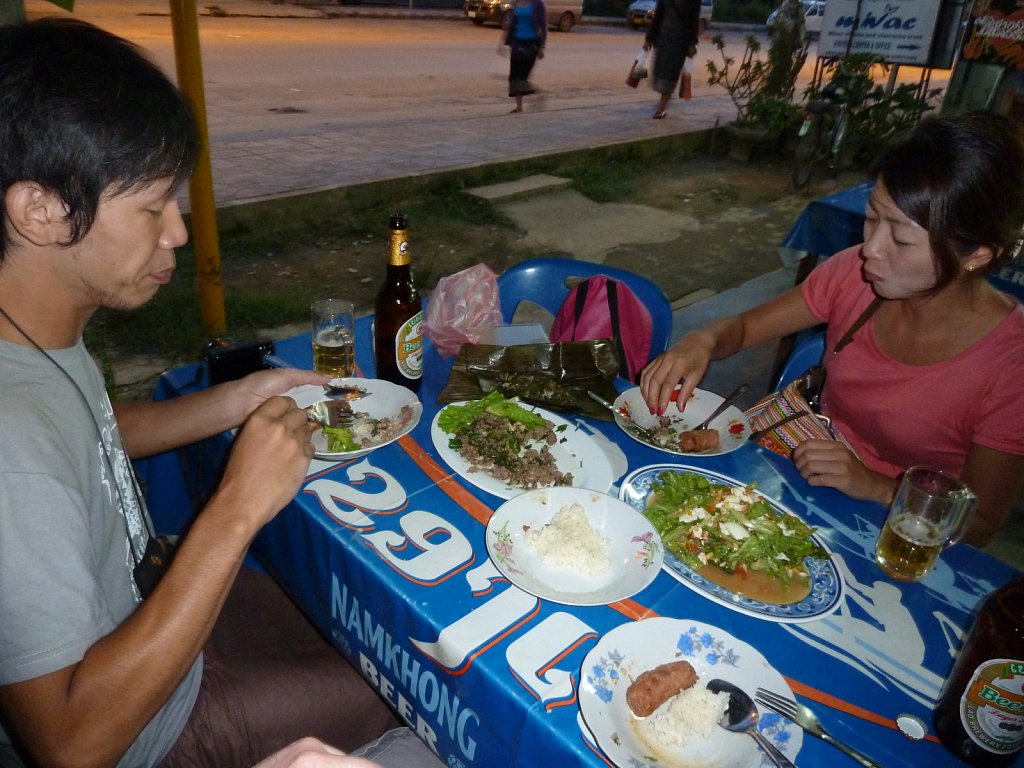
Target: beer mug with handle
(931,511)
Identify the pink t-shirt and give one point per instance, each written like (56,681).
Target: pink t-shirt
(897,415)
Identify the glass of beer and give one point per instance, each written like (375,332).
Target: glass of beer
(930,512)
(334,340)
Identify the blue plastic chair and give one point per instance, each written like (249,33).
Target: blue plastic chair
(807,351)
(543,281)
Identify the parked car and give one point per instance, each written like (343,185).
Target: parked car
(563,15)
(641,12)
(814,11)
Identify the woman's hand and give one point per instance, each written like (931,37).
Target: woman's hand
(831,464)
(684,364)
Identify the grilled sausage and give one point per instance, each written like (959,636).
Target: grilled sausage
(698,440)
(656,686)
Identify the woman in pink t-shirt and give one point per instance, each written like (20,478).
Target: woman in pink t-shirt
(936,374)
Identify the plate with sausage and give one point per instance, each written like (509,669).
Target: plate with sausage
(674,431)
(642,695)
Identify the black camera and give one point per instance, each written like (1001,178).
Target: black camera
(227,360)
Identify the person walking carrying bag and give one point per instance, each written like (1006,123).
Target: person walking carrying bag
(673,35)
(524,31)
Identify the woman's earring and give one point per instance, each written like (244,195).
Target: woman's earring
(969,268)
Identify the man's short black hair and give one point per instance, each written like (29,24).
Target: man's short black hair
(85,113)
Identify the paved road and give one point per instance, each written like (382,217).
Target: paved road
(298,101)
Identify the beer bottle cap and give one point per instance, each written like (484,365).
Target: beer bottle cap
(911,726)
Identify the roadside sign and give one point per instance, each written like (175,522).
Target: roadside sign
(895,31)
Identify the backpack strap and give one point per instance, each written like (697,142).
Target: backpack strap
(612,289)
(581,301)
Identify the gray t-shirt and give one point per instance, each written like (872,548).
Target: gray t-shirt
(72,525)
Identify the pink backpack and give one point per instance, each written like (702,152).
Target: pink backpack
(602,308)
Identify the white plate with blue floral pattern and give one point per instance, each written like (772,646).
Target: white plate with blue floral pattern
(634,547)
(629,649)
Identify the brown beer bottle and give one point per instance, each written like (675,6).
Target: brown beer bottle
(980,713)
(398,321)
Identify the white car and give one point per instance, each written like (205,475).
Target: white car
(814,11)
(641,12)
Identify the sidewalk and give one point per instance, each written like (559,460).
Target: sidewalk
(255,166)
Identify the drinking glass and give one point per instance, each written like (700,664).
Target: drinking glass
(930,512)
(333,336)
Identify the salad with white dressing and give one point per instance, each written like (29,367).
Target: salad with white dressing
(732,528)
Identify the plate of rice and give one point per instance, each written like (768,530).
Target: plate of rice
(684,730)
(384,414)
(732,425)
(573,546)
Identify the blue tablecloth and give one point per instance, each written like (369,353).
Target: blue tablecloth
(386,554)
(834,222)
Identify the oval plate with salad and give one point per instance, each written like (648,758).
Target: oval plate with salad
(732,544)
(497,444)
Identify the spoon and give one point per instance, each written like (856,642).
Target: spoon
(736,395)
(643,432)
(742,717)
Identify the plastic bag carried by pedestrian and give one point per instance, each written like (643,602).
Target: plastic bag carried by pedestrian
(686,79)
(460,303)
(638,71)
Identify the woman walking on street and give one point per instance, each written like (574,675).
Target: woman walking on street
(673,33)
(525,31)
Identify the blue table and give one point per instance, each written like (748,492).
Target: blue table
(834,222)
(386,555)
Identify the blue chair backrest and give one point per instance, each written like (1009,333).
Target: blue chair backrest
(807,351)
(542,281)
(1010,279)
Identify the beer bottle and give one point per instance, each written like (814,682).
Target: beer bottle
(398,321)
(980,713)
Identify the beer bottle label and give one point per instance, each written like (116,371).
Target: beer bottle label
(409,347)
(992,706)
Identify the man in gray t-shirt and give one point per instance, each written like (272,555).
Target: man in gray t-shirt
(97,665)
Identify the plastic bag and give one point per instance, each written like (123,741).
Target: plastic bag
(686,79)
(461,302)
(638,71)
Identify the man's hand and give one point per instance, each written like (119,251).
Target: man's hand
(831,464)
(269,459)
(252,390)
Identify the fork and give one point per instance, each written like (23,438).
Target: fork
(331,413)
(807,720)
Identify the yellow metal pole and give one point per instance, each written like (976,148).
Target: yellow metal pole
(203,209)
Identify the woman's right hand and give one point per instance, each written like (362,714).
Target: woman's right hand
(684,364)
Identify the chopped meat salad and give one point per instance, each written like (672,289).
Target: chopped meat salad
(500,437)
(365,431)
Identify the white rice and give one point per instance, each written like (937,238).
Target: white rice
(689,715)
(569,541)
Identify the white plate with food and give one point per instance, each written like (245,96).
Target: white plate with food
(705,517)
(573,546)
(383,414)
(506,447)
(731,426)
(677,729)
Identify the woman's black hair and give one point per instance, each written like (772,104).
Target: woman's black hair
(960,177)
(85,114)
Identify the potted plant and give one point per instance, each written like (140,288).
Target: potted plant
(761,87)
